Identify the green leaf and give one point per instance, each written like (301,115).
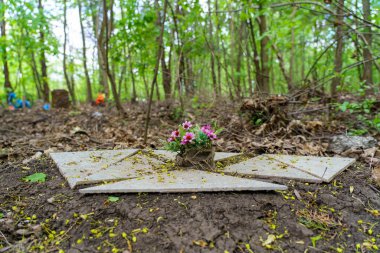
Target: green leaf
(36,178)
(1,215)
(314,240)
(113,199)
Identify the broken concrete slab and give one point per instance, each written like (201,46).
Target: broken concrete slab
(82,167)
(184,181)
(265,167)
(325,168)
(219,156)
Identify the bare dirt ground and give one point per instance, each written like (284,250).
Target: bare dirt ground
(341,216)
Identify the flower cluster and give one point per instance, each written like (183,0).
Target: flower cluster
(191,136)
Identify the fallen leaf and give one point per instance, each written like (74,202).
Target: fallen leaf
(271,238)
(36,178)
(200,243)
(113,199)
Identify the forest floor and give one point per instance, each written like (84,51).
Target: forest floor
(341,216)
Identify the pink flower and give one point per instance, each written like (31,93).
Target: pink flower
(187,124)
(205,128)
(188,137)
(212,136)
(171,139)
(175,134)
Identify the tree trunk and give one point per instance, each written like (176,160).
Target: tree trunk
(7,82)
(84,55)
(212,55)
(256,58)
(45,84)
(248,62)
(238,62)
(292,55)
(165,69)
(160,49)
(103,79)
(339,48)
(282,67)
(134,94)
(103,44)
(367,56)
(65,72)
(216,51)
(264,52)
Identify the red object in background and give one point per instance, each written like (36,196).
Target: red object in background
(11,108)
(100,100)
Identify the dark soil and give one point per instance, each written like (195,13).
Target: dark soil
(340,216)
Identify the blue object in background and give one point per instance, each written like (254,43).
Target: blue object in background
(10,97)
(46,107)
(19,103)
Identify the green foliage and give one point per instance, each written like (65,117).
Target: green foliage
(113,199)
(314,240)
(177,114)
(362,112)
(36,178)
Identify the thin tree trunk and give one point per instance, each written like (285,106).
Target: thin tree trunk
(282,67)
(36,75)
(367,56)
(67,79)
(238,62)
(256,58)
(7,82)
(103,79)
(105,34)
(134,94)
(248,62)
(44,76)
(339,48)
(217,54)
(212,55)
(84,55)
(264,52)
(292,55)
(157,65)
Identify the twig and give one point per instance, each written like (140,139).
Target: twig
(374,188)
(6,241)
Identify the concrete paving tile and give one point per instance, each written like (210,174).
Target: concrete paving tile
(184,181)
(325,168)
(265,167)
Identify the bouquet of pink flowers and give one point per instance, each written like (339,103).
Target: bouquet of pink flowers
(189,136)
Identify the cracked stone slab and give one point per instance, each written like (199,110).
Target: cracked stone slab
(98,166)
(184,181)
(325,168)
(266,167)
(219,156)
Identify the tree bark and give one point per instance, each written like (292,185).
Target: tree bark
(7,82)
(69,85)
(103,44)
(264,89)
(103,79)
(367,56)
(84,55)
(212,55)
(157,65)
(282,67)
(339,48)
(292,54)
(45,84)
